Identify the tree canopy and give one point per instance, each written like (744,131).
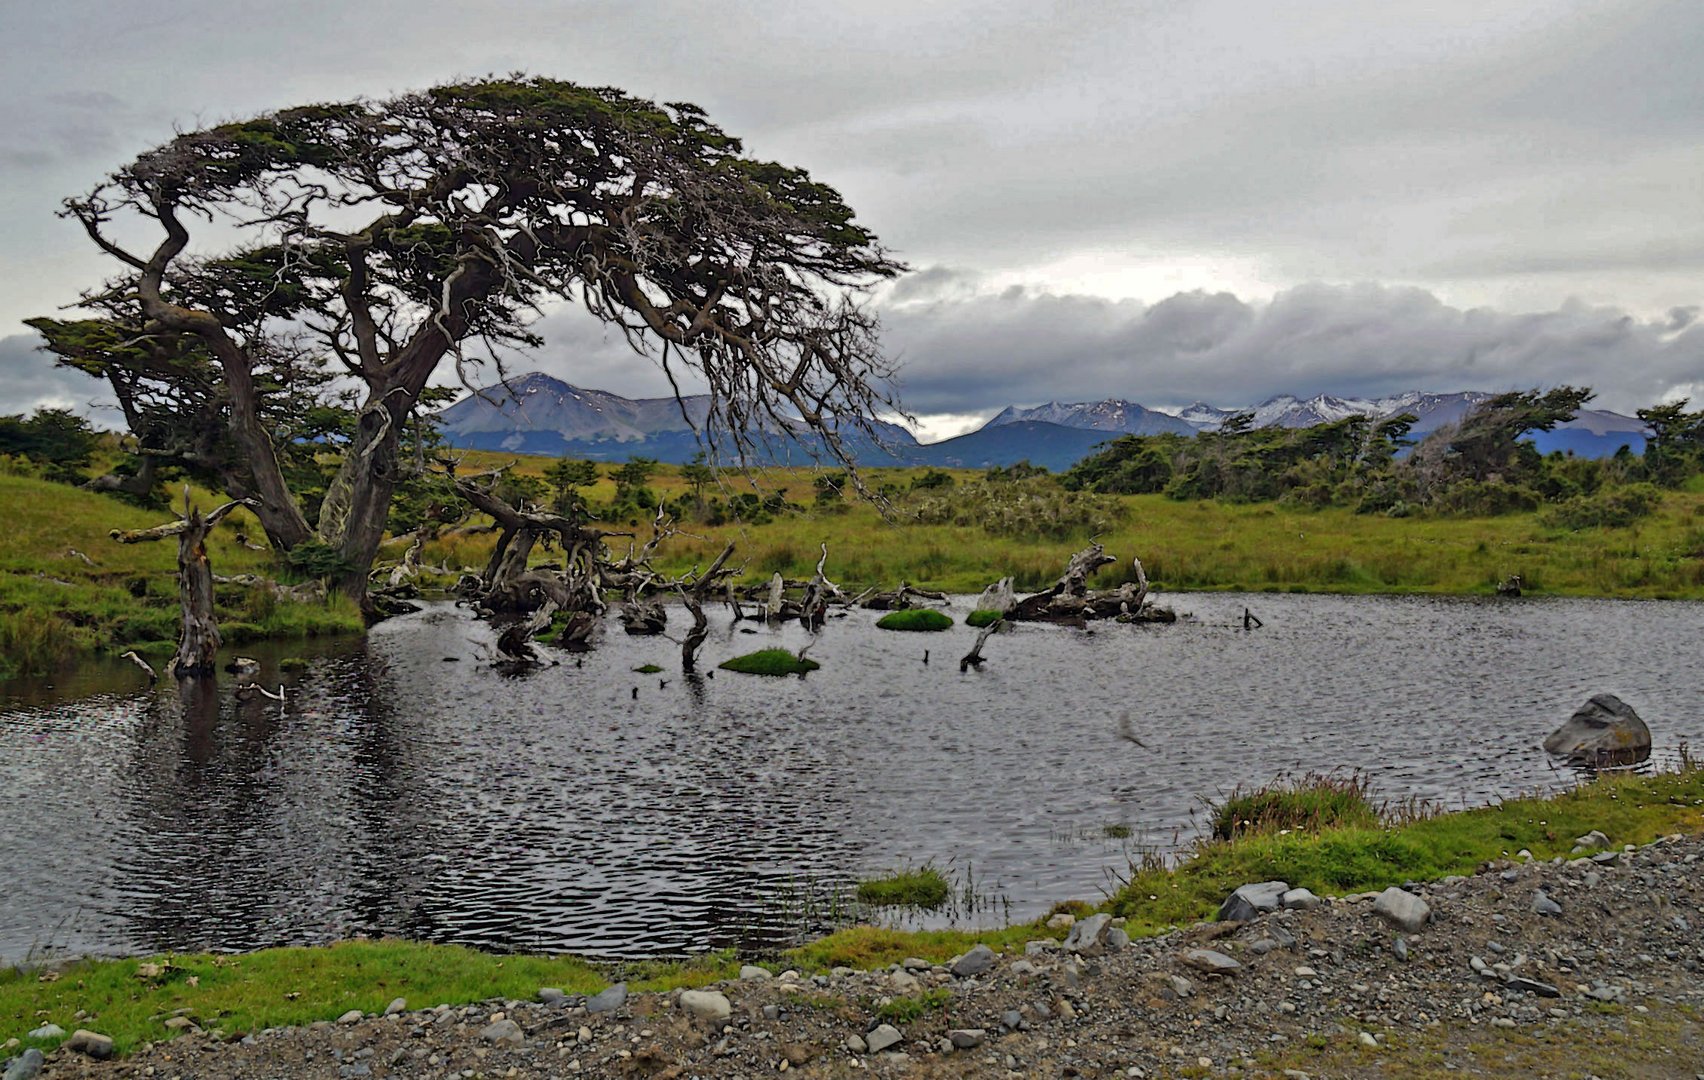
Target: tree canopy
(376,241)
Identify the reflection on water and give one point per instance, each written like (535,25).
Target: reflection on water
(405,787)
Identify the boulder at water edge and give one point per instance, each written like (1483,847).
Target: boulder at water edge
(1251,901)
(1605,730)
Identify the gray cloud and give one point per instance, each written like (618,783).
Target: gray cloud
(29,381)
(1025,346)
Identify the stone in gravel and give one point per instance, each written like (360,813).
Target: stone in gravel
(1543,905)
(1592,841)
(1117,939)
(1400,947)
(753,973)
(353,1016)
(608,1001)
(1367,1039)
(797,1053)
(504,1032)
(401,1005)
(1607,858)
(1086,935)
(551,996)
(1060,921)
(974,962)
(1263,946)
(966,1038)
(90,1044)
(1533,986)
(885,1036)
(903,982)
(1605,729)
(48,1031)
(1044,945)
(706,1004)
(856,1044)
(1211,962)
(772,1012)
(1022,967)
(26,1066)
(1402,909)
(1011,1019)
(1299,900)
(1252,900)
(1181,986)
(915,963)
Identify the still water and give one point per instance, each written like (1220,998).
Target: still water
(406,787)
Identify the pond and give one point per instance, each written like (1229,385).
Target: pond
(406,787)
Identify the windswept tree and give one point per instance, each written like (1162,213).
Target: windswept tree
(390,238)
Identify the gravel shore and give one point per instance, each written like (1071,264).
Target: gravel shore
(1585,967)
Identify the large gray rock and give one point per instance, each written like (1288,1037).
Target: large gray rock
(1402,909)
(1252,900)
(1300,900)
(90,1044)
(26,1066)
(706,1004)
(1088,934)
(1604,731)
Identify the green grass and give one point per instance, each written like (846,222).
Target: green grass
(915,619)
(770,662)
(1189,546)
(922,887)
(979,619)
(1357,855)
(55,608)
(909,1008)
(647,669)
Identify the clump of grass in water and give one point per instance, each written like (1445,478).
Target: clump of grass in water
(770,662)
(981,618)
(647,669)
(1309,803)
(917,619)
(922,887)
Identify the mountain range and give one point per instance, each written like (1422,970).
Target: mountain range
(538,414)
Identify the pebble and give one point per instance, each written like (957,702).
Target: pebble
(503,1032)
(1367,1039)
(353,1016)
(1543,904)
(47,1031)
(551,996)
(1211,962)
(966,1038)
(1400,947)
(26,1066)
(753,973)
(396,1006)
(1402,909)
(609,1000)
(883,1037)
(974,962)
(856,1044)
(1300,900)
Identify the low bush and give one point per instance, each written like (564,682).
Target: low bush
(769,662)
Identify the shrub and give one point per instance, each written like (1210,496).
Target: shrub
(920,619)
(1614,508)
(769,662)
(1311,802)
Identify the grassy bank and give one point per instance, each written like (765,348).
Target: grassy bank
(56,608)
(1329,843)
(1183,545)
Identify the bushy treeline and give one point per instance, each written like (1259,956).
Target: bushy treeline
(54,443)
(1482,465)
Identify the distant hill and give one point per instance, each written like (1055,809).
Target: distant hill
(538,414)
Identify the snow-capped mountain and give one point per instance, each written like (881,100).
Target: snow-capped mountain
(1123,417)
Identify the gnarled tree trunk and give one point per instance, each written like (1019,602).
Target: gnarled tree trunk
(199,641)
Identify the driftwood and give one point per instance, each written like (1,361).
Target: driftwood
(147,668)
(198,644)
(693,597)
(900,599)
(974,658)
(1071,601)
(514,644)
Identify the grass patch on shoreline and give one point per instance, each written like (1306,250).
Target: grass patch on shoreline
(922,887)
(921,620)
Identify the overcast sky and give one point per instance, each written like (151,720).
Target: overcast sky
(1165,201)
